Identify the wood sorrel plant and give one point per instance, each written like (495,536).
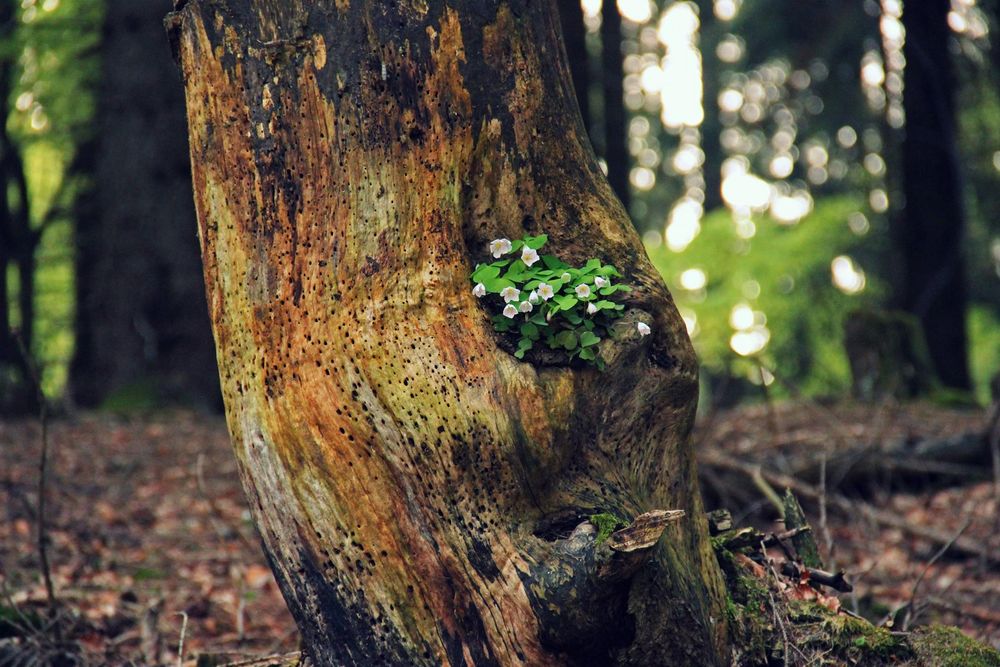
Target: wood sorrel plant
(544,300)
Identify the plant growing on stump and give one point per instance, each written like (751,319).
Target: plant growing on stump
(424,495)
(569,309)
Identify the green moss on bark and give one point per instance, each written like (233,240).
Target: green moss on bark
(606,524)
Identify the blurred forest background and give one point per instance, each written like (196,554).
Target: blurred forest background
(817,182)
(786,163)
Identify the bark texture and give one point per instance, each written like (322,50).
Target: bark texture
(422,495)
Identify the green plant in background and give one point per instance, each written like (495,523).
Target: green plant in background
(776,299)
(540,298)
(49,60)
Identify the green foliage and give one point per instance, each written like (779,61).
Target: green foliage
(606,524)
(541,299)
(51,51)
(782,275)
(984,348)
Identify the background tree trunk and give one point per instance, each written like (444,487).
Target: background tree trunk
(422,495)
(928,233)
(575,37)
(710,33)
(615,120)
(141,315)
(18,248)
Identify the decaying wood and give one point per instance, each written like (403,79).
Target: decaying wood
(719,521)
(802,540)
(644,532)
(834,580)
(414,483)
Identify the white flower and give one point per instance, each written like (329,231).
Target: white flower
(545,291)
(565,277)
(533,297)
(509,311)
(526,307)
(479,290)
(529,256)
(582,291)
(510,294)
(500,247)
(643,328)
(600,282)
(591,308)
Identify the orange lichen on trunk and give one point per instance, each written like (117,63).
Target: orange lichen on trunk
(350,162)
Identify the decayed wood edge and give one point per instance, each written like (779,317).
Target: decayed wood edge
(963,545)
(805,545)
(644,532)
(632,547)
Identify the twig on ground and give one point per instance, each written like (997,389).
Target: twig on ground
(858,577)
(150,642)
(911,612)
(761,483)
(981,613)
(834,580)
(772,415)
(961,545)
(23,624)
(775,539)
(824,527)
(994,435)
(43,469)
(180,642)
(786,658)
(786,654)
(852,614)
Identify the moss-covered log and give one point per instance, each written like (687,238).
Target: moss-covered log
(422,495)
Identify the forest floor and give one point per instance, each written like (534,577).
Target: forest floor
(151,540)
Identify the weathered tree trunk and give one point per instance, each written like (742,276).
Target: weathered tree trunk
(141,314)
(422,495)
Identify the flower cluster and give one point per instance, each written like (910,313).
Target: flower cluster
(544,300)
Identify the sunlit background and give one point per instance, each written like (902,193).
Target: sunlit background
(760,140)
(798,119)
